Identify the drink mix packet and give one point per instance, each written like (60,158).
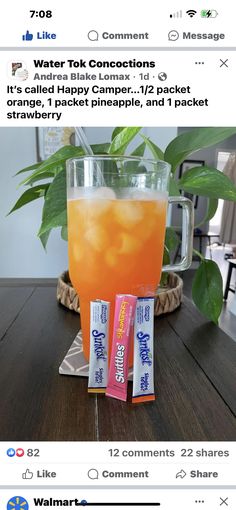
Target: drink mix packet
(143,372)
(118,370)
(98,359)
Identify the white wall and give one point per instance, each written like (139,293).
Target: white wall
(21,253)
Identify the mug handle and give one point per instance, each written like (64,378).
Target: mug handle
(187,234)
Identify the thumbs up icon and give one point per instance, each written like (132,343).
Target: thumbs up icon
(28,475)
(27,36)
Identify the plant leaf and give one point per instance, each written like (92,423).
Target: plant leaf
(56,162)
(44,238)
(52,167)
(40,177)
(116,132)
(198,253)
(211,210)
(64,233)
(36,176)
(29,195)
(208,182)
(173,187)
(165,262)
(29,168)
(198,138)
(172,239)
(166,256)
(207,290)
(155,150)
(100,148)
(54,210)
(121,141)
(164,279)
(139,151)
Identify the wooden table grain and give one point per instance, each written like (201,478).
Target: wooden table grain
(195,367)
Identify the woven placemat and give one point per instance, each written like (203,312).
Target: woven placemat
(167,300)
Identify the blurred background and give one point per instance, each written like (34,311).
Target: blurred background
(21,253)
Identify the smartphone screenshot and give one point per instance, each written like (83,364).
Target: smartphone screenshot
(117,255)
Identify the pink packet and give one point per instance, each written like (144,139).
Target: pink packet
(118,370)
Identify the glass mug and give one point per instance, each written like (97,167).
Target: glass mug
(117,208)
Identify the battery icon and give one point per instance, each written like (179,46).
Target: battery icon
(209,13)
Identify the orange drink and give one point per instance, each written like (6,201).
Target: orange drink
(115,247)
(116,229)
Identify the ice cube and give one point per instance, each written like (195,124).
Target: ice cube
(128,243)
(86,192)
(151,227)
(89,211)
(97,237)
(80,192)
(146,194)
(99,207)
(104,193)
(128,214)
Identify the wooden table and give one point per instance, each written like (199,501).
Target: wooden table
(195,366)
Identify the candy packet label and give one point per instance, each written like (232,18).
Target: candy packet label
(98,360)
(118,371)
(143,375)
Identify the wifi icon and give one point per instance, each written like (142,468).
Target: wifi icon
(191,13)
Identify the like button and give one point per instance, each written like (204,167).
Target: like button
(28,475)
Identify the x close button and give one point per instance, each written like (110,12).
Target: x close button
(224,63)
(224,501)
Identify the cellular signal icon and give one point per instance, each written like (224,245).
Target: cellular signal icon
(191,13)
(177,14)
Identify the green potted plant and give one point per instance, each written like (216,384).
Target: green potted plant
(47,180)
